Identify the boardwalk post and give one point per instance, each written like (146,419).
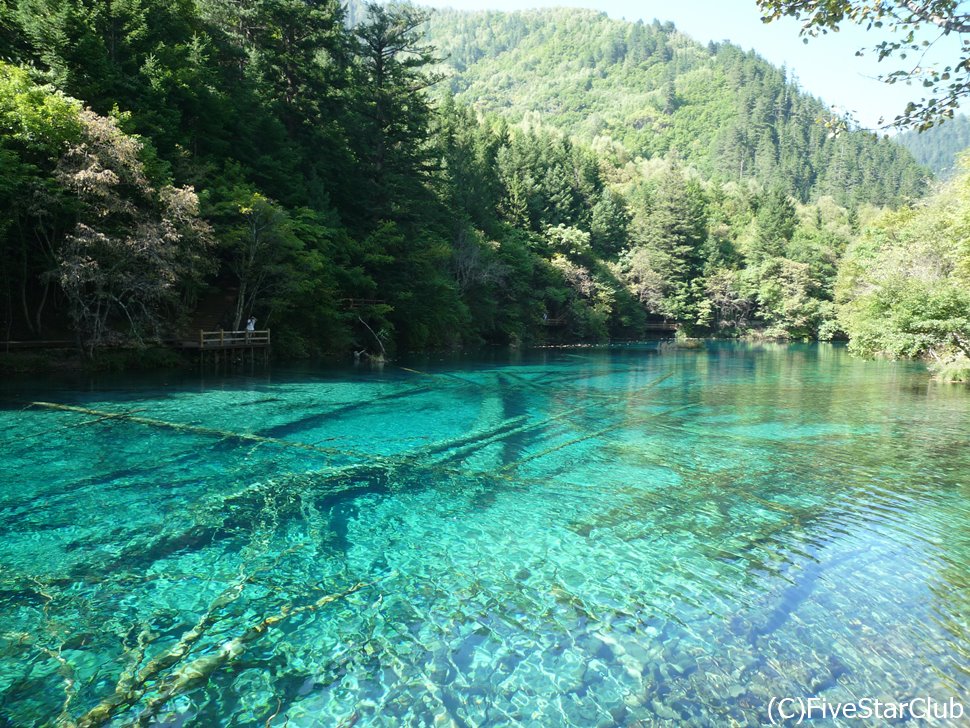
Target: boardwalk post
(230,347)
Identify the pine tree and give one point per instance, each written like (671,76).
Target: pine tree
(395,114)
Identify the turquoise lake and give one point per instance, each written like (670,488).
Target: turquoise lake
(626,536)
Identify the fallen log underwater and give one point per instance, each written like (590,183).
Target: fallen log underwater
(216,516)
(231,513)
(132,688)
(103,416)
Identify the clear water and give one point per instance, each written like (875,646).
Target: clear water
(628,536)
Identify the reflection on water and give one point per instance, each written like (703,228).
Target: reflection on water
(579,538)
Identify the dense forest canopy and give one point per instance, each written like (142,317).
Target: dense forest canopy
(904,284)
(358,178)
(723,111)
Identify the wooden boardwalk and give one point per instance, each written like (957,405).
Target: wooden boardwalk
(355,303)
(259,339)
(207,340)
(40,344)
(230,348)
(652,326)
(670,326)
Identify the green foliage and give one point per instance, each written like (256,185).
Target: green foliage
(775,222)
(609,224)
(568,241)
(785,293)
(83,211)
(729,301)
(653,91)
(37,125)
(667,235)
(394,115)
(575,179)
(904,289)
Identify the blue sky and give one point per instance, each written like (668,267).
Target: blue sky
(826,66)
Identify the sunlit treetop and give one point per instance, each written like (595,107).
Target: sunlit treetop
(909,28)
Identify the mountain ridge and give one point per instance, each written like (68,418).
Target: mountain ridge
(722,110)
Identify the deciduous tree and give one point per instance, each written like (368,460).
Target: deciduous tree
(135,245)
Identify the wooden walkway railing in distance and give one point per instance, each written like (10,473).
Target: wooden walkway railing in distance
(353,303)
(234,339)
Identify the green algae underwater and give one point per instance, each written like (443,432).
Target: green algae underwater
(635,535)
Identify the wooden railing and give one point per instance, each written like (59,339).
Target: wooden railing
(554,321)
(649,326)
(230,339)
(361,302)
(661,326)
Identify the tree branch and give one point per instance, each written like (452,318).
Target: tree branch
(950,24)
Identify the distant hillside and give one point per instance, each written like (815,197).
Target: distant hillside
(938,147)
(728,113)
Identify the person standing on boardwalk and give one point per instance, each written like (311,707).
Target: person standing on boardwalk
(250,326)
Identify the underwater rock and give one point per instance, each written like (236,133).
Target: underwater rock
(663,711)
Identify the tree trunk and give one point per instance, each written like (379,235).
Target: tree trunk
(240,302)
(962,344)
(40,306)
(23,303)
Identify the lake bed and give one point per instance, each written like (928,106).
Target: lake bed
(586,537)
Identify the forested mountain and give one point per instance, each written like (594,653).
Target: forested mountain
(725,112)
(181,164)
(938,147)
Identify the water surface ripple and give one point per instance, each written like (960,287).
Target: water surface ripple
(641,535)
